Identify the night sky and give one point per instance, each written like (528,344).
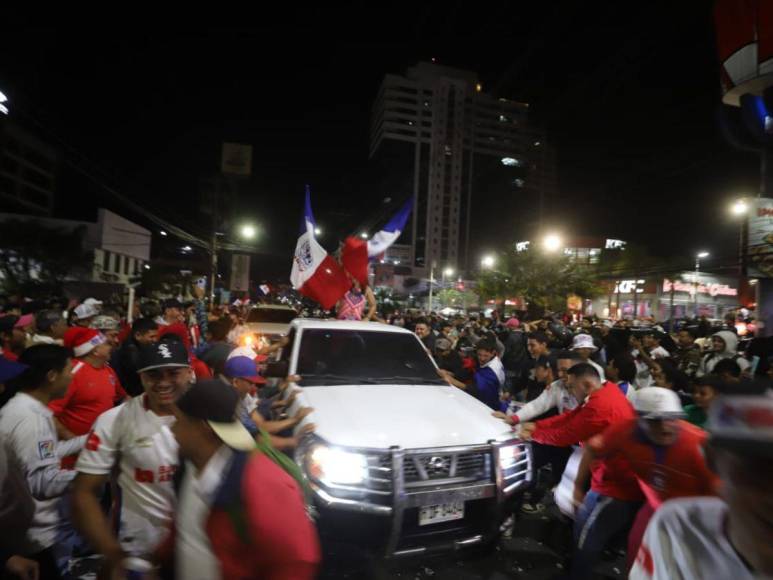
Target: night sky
(629,100)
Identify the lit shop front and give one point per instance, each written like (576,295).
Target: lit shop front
(677,296)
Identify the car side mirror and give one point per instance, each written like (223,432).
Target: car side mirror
(277,369)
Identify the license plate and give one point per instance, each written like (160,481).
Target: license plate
(444,512)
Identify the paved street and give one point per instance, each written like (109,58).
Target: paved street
(536,551)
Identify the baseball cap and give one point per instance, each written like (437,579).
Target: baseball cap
(657,403)
(162,355)
(215,402)
(242,367)
(24,320)
(8,322)
(104,323)
(86,311)
(46,319)
(10,370)
(442,344)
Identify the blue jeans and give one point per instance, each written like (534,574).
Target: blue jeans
(598,520)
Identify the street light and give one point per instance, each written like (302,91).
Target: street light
(740,207)
(364,235)
(740,210)
(163,233)
(552,242)
(317,231)
(698,257)
(248,231)
(448,272)
(488,261)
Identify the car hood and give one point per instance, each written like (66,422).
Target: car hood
(408,416)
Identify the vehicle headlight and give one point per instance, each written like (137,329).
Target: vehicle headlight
(508,456)
(331,465)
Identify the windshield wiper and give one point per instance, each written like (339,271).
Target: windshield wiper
(412,380)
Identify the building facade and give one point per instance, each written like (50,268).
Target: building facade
(441,138)
(118,248)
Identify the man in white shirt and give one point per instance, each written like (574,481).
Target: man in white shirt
(26,423)
(136,437)
(583,345)
(729,537)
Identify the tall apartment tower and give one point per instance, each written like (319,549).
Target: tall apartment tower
(437,128)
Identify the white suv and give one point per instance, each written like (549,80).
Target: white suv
(400,460)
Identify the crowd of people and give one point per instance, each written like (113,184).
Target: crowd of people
(140,443)
(157,444)
(664,439)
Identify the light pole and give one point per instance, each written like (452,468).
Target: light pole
(431,285)
(740,209)
(447,272)
(698,257)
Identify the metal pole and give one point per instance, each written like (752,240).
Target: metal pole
(695,284)
(130,309)
(431,284)
(213,271)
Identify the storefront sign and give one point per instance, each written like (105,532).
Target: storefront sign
(629,287)
(760,238)
(711,289)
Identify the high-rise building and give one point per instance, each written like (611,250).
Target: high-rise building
(437,134)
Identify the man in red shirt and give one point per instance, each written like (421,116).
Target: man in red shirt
(614,497)
(665,453)
(94,389)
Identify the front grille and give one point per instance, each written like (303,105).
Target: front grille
(432,467)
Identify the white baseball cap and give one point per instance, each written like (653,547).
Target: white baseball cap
(85,311)
(657,403)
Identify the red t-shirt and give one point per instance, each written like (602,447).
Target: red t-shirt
(200,369)
(8,355)
(91,392)
(664,473)
(611,475)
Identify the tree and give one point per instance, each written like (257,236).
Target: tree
(544,281)
(386,301)
(35,259)
(454,298)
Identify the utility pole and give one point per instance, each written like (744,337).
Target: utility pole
(431,285)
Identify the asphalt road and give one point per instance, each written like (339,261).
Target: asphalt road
(538,550)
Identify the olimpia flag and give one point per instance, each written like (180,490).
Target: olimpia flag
(315,274)
(356,252)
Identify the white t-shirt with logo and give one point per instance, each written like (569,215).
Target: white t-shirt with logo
(686,539)
(142,443)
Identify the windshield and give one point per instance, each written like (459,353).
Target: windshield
(271,315)
(336,357)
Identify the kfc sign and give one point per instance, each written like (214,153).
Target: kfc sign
(629,287)
(711,289)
